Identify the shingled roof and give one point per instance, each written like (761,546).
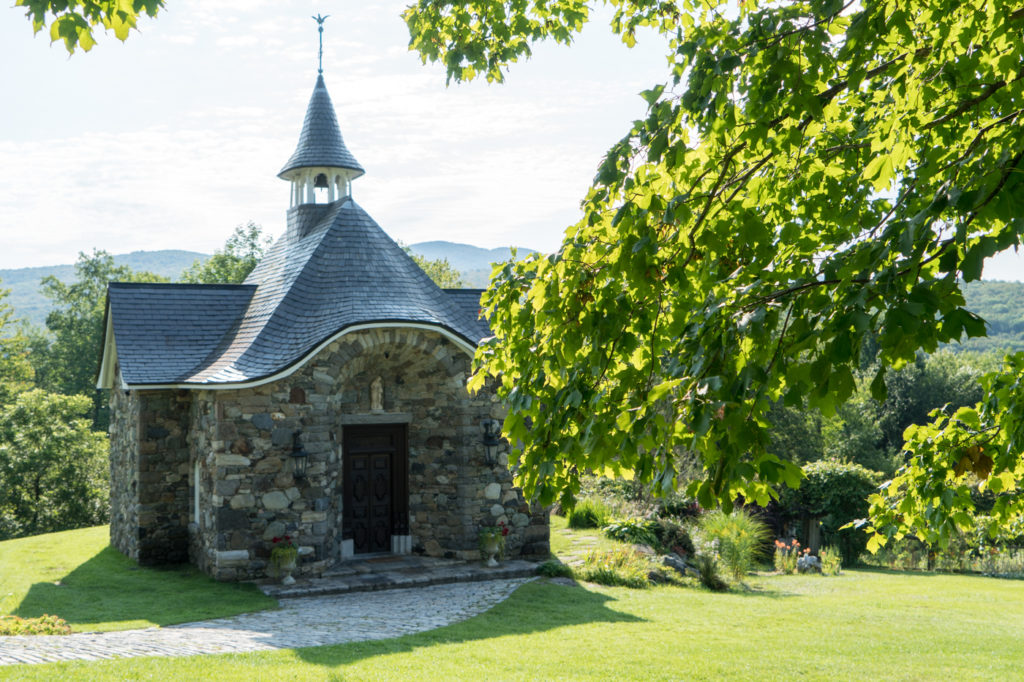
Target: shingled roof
(165,331)
(342,272)
(320,143)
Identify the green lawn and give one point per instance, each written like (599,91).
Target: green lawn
(858,626)
(78,577)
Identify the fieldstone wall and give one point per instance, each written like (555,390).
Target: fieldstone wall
(149,458)
(124,472)
(242,440)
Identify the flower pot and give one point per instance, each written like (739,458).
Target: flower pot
(285,568)
(491,549)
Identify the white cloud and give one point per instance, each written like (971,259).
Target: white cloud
(172,139)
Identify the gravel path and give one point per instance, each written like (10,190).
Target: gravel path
(307,621)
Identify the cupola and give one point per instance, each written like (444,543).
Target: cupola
(322,169)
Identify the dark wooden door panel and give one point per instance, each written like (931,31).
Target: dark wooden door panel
(374,486)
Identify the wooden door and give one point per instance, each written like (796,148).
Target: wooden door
(374,486)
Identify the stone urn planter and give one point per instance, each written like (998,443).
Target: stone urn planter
(492,543)
(283,557)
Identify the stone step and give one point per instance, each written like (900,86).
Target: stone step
(354,581)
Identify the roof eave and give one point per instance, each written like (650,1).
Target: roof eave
(459,340)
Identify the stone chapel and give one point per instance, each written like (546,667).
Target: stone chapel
(324,398)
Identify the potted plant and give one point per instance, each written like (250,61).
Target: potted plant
(282,557)
(492,543)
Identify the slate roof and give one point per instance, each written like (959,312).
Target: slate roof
(164,331)
(344,271)
(469,301)
(320,143)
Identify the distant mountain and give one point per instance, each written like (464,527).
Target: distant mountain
(32,306)
(472,261)
(465,257)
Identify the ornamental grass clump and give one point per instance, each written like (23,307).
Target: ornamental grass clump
(626,567)
(590,512)
(831,560)
(707,573)
(740,538)
(786,554)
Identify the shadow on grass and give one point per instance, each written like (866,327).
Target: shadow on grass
(931,574)
(747,590)
(534,607)
(110,588)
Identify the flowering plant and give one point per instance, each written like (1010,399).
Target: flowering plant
(493,535)
(283,551)
(786,554)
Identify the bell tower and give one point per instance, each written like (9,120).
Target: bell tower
(321,169)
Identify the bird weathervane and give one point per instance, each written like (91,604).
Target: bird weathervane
(320,57)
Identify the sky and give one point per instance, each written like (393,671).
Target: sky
(171,139)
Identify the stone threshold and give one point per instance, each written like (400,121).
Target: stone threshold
(397,572)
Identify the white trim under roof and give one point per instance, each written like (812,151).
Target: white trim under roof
(288,371)
(105,378)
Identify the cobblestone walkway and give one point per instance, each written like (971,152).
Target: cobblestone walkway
(302,622)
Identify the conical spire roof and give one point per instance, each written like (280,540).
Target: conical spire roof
(320,143)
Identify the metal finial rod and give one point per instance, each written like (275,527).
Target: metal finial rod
(320,57)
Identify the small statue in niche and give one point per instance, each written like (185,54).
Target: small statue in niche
(377,395)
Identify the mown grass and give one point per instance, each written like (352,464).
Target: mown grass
(860,625)
(77,576)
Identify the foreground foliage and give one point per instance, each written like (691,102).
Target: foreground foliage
(93,587)
(810,175)
(72,21)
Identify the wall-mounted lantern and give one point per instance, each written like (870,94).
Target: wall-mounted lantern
(299,456)
(492,439)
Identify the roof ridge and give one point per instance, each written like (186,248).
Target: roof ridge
(183,285)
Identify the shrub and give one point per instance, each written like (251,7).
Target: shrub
(672,537)
(707,573)
(679,507)
(835,493)
(637,531)
(589,512)
(625,566)
(786,555)
(831,561)
(43,625)
(740,537)
(553,568)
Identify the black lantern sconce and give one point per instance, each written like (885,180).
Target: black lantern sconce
(299,456)
(492,439)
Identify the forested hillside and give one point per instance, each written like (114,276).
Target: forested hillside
(1001,304)
(28,303)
